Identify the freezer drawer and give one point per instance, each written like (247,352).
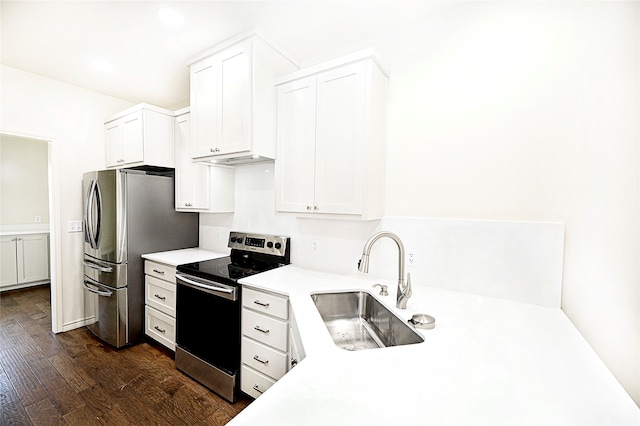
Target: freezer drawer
(110,274)
(106,308)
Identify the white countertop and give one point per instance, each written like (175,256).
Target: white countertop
(182,256)
(487,361)
(27,232)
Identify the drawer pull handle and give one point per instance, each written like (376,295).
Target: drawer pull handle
(256,388)
(257,327)
(257,358)
(158,272)
(159,329)
(159,297)
(257,302)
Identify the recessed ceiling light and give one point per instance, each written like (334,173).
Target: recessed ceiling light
(101,65)
(171,17)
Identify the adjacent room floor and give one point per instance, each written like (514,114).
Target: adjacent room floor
(73,379)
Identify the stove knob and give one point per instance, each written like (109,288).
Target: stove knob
(270,244)
(233,239)
(239,240)
(278,246)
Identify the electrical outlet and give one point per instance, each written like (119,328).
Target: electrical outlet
(38,219)
(315,246)
(74,226)
(412,259)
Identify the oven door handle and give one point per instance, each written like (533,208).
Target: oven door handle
(227,293)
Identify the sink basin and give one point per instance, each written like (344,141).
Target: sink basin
(356,321)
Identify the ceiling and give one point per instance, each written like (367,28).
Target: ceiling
(60,39)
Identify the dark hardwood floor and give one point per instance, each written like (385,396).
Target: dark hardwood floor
(73,379)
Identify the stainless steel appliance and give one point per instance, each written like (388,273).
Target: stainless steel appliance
(208,306)
(127,212)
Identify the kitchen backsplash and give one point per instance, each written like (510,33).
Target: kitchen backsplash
(519,261)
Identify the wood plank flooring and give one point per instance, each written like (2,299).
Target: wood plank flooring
(74,379)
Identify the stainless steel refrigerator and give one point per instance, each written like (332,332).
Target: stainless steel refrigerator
(127,213)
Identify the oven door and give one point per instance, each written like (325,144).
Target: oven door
(208,331)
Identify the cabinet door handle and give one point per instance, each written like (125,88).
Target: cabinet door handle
(159,329)
(158,272)
(159,297)
(257,358)
(256,388)
(265,305)
(257,327)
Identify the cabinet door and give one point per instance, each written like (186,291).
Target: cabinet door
(33,258)
(8,271)
(192,179)
(203,107)
(113,135)
(340,139)
(234,97)
(133,138)
(296,128)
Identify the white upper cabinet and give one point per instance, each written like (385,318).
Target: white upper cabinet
(199,187)
(233,100)
(141,135)
(331,138)
(296,130)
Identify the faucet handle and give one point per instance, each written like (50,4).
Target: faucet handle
(407,291)
(383,289)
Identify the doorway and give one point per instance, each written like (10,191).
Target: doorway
(27,215)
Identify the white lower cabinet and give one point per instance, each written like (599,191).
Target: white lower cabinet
(160,327)
(24,260)
(266,348)
(160,303)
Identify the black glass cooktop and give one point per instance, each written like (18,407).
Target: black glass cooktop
(227,270)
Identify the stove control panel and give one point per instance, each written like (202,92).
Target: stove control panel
(259,243)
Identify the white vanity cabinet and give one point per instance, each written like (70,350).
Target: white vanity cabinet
(24,260)
(199,187)
(160,303)
(265,349)
(331,138)
(233,99)
(141,135)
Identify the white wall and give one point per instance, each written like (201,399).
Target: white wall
(72,118)
(513,111)
(24,182)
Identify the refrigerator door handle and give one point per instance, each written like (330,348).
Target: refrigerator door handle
(88,216)
(92,224)
(89,225)
(99,209)
(98,292)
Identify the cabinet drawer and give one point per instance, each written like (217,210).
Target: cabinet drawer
(266,302)
(265,329)
(158,270)
(160,327)
(254,383)
(263,358)
(160,295)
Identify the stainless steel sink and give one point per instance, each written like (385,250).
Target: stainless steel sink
(356,321)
